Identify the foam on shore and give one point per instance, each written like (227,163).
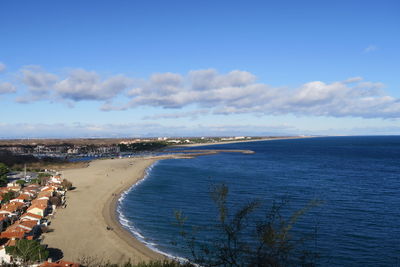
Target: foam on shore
(128,225)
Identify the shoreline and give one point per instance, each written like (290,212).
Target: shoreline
(99,187)
(80,230)
(90,227)
(111,217)
(245,141)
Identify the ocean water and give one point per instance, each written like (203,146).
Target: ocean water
(357,178)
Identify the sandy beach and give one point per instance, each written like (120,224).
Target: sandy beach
(80,229)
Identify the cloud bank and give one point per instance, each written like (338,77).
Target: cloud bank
(235,92)
(80,130)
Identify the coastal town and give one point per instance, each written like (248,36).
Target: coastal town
(78,148)
(25,217)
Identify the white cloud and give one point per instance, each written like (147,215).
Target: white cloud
(78,85)
(238,92)
(87,85)
(82,130)
(2,67)
(228,93)
(37,80)
(7,88)
(209,79)
(370,48)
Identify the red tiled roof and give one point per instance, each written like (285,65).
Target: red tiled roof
(28,223)
(45,194)
(41,207)
(60,264)
(14,188)
(13,206)
(32,215)
(24,197)
(43,202)
(19,234)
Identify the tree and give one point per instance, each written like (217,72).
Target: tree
(4,170)
(43,180)
(3,181)
(28,251)
(269,243)
(34,181)
(20,182)
(44,175)
(8,196)
(66,184)
(56,200)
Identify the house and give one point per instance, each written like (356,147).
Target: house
(45,195)
(38,209)
(4,221)
(22,198)
(13,233)
(48,188)
(20,226)
(31,217)
(60,263)
(15,188)
(31,192)
(56,180)
(12,209)
(26,225)
(4,257)
(35,187)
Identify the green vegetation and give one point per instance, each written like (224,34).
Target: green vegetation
(66,184)
(55,200)
(20,182)
(17,161)
(34,181)
(4,170)
(94,262)
(8,196)
(270,244)
(44,175)
(28,251)
(42,178)
(142,146)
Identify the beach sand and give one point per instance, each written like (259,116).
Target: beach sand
(80,229)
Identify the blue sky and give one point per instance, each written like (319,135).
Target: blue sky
(180,68)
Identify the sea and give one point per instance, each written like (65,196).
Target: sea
(355,180)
